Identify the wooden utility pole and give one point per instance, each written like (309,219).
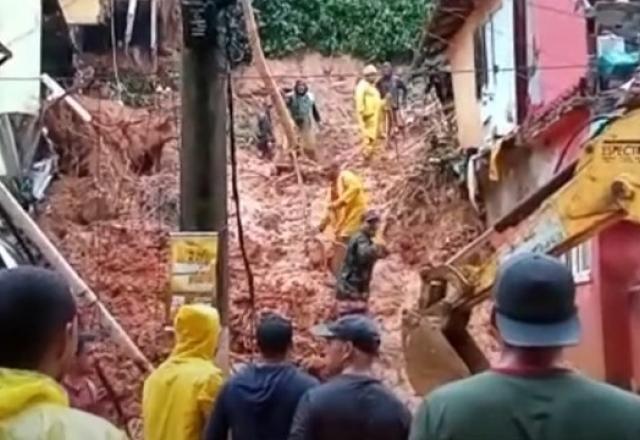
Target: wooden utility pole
(263,69)
(203,156)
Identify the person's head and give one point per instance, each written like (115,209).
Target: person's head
(353,341)
(38,324)
(371,222)
(535,310)
(370,73)
(197,328)
(387,69)
(82,362)
(275,337)
(300,87)
(333,171)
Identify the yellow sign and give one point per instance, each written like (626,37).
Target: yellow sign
(193,262)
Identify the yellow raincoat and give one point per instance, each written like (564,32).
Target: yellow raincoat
(369,111)
(347,203)
(35,407)
(178,396)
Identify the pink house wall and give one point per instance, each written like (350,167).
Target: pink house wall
(558,36)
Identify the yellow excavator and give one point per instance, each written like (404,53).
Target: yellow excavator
(599,188)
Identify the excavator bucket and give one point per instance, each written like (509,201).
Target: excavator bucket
(430,359)
(437,346)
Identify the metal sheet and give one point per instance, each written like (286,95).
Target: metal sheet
(81,12)
(20,32)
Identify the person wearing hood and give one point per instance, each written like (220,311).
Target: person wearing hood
(369,111)
(259,402)
(38,342)
(177,397)
(346,203)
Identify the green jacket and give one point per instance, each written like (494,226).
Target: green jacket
(357,268)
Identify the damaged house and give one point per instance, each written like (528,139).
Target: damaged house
(532,82)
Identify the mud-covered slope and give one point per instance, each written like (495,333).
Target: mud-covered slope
(111,217)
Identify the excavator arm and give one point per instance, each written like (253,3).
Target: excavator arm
(600,188)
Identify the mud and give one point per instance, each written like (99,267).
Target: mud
(112,209)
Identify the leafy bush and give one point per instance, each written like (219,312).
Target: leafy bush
(369,29)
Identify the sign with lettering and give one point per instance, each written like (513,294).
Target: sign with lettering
(627,151)
(194,256)
(199,23)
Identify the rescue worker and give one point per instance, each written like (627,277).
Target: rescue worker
(265,140)
(83,393)
(259,402)
(346,203)
(38,341)
(178,397)
(361,256)
(303,109)
(368,111)
(529,393)
(354,404)
(393,92)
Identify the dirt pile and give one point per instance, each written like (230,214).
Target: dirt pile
(111,211)
(106,217)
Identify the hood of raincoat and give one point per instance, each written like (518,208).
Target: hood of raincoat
(262,385)
(20,390)
(35,406)
(197,330)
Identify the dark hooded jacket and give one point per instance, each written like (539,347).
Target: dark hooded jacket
(258,403)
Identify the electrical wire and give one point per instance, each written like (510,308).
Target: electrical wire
(234,180)
(357,74)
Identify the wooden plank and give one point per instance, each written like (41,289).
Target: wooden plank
(80,289)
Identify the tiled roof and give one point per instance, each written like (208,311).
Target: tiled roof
(544,117)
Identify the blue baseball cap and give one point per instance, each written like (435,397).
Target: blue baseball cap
(535,302)
(358,329)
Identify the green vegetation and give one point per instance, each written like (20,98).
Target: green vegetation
(369,29)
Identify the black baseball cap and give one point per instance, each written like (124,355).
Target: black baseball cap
(535,302)
(360,330)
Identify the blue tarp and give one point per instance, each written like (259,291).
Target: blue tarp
(617,63)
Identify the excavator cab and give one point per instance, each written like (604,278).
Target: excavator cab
(599,188)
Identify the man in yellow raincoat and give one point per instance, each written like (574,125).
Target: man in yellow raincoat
(180,394)
(347,202)
(38,340)
(369,111)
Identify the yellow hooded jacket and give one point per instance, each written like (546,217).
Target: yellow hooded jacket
(347,219)
(178,396)
(368,109)
(35,407)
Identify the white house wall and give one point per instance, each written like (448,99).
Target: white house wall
(498,105)
(20,32)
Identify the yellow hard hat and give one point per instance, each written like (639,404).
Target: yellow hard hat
(370,70)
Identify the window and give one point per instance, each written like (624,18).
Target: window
(579,261)
(480,61)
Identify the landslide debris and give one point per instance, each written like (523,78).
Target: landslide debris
(116,200)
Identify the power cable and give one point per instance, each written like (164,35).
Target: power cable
(417,72)
(234,179)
